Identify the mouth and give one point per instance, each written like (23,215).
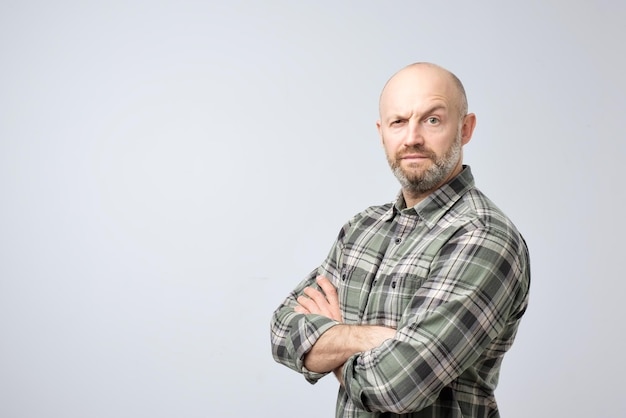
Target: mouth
(414,157)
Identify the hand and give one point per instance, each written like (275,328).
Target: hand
(323,302)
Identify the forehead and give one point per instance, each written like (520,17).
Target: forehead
(417,88)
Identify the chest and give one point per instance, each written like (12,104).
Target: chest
(381,270)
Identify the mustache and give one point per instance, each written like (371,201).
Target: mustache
(417,149)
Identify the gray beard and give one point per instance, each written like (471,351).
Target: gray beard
(431,178)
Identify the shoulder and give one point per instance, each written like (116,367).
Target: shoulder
(477,221)
(476,207)
(367,219)
(371,213)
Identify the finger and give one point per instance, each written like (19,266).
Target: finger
(300,309)
(331,296)
(329,290)
(309,304)
(322,306)
(316,295)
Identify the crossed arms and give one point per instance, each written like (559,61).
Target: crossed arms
(462,313)
(340,342)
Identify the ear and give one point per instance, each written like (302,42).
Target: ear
(467,129)
(379,129)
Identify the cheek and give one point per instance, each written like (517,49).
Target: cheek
(391,140)
(389,147)
(442,140)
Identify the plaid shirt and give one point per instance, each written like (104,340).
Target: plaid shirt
(450,274)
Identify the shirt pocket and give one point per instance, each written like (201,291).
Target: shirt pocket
(391,294)
(398,290)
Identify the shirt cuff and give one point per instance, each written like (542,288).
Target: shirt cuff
(351,385)
(305,331)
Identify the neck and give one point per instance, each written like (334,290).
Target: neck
(412,197)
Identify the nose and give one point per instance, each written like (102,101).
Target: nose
(414,134)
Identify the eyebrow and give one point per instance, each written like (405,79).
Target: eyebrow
(435,108)
(432,109)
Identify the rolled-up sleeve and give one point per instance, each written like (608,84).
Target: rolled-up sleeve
(294,334)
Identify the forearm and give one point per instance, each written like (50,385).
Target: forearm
(341,342)
(293,334)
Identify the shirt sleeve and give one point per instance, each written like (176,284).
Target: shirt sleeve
(293,334)
(476,290)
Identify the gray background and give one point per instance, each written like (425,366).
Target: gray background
(170,170)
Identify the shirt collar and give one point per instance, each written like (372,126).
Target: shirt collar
(436,204)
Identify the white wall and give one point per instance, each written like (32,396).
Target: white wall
(169,170)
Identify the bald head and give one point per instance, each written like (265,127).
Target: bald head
(423,126)
(418,76)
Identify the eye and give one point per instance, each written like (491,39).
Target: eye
(432,120)
(397,122)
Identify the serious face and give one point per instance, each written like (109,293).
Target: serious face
(422,129)
(417,180)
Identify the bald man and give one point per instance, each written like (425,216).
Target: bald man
(418,300)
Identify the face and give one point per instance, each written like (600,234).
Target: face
(422,130)
(418,178)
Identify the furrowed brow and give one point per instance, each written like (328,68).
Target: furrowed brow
(434,109)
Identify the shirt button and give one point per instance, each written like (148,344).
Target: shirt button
(398,240)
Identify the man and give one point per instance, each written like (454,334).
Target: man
(419,299)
